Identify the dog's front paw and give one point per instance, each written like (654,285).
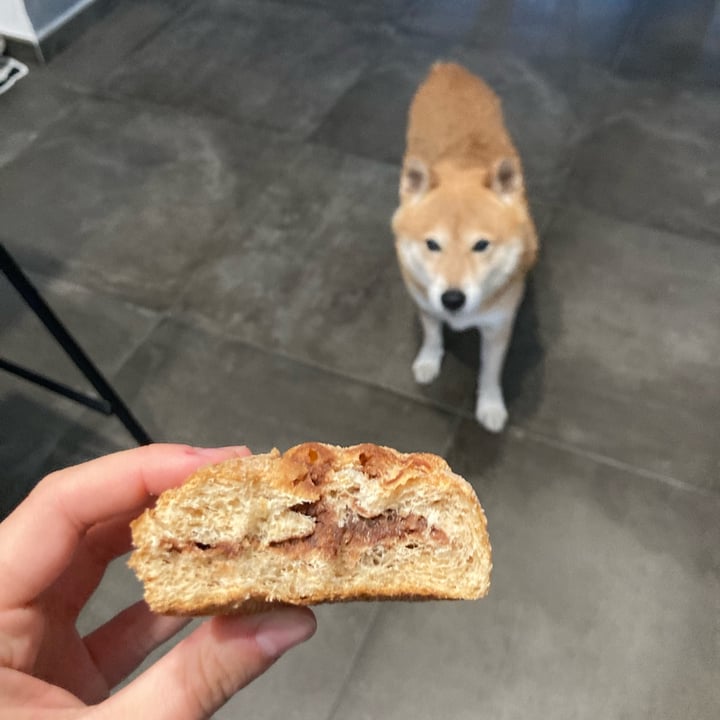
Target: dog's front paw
(491,414)
(426,367)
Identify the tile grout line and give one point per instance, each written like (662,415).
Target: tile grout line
(606,460)
(103,91)
(452,436)
(353,664)
(458,417)
(110,376)
(458,414)
(190,321)
(556,208)
(172,18)
(104,95)
(595,120)
(81,91)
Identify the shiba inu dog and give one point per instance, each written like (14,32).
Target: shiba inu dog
(464,237)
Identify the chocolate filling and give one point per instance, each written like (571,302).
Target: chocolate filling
(329,537)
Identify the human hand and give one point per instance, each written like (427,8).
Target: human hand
(54,549)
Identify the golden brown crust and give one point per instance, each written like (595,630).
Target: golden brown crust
(253,606)
(191,530)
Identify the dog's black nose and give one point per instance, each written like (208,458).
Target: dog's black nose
(453,299)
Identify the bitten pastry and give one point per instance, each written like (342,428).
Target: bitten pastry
(316,524)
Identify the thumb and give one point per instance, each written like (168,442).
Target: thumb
(203,671)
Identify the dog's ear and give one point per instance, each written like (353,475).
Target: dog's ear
(416,179)
(505,178)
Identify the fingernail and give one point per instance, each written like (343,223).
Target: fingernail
(221,452)
(279,631)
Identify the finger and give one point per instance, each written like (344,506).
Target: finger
(121,644)
(101,544)
(209,666)
(41,535)
(25,696)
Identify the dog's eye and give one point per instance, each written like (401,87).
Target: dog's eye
(481,245)
(433,245)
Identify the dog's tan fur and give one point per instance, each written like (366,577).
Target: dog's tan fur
(462,182)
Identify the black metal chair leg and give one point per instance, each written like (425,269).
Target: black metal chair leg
(114,404)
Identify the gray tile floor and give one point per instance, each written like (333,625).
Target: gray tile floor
(202,191)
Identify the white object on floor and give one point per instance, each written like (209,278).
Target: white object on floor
(11,70)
